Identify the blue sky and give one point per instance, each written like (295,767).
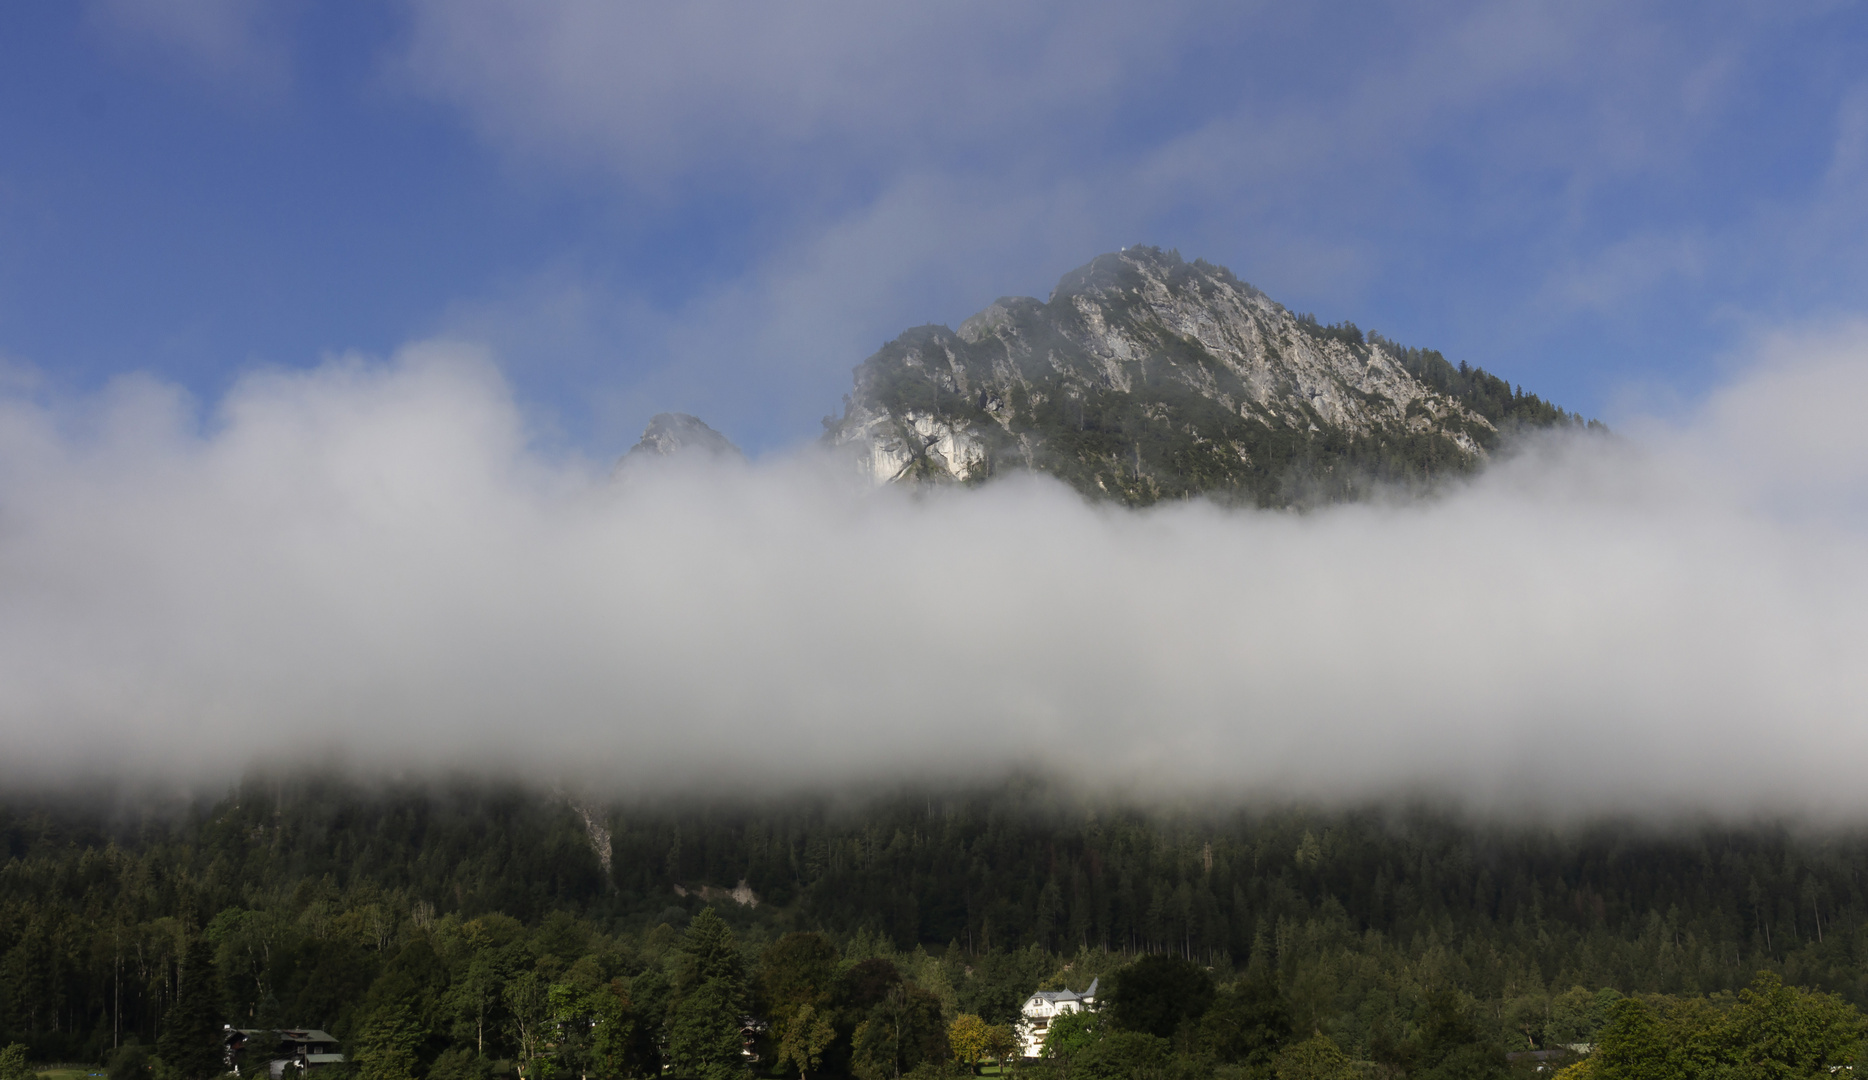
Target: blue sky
(721,208)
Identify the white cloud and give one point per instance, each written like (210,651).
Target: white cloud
(842,93)
(895,166)
(1620,275)
(216,39)
(368,559)
(1790,426)
(661,93)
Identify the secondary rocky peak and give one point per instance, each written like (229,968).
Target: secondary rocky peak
(672,434)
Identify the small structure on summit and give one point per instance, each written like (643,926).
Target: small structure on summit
(1041,1008)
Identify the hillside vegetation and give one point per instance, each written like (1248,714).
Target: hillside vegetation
(455,923)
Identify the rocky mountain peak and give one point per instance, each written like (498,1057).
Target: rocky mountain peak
(1146,377)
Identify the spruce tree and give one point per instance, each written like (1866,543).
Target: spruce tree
(709,940)
(191,1044)
(704,1028)
(704,1039)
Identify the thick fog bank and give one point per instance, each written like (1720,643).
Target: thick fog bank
(367,563)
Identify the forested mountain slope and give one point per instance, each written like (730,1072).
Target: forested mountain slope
(1145,377)
(311,896)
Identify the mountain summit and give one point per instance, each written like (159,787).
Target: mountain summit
(681,435)
(1145,377)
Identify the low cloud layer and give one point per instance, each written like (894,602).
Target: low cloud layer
(368,562)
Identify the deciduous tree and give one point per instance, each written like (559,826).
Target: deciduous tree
(1069,1035)
(1247,1024)
(1157,994)
(1777,1031)
(1632,1045)
(1315,1058)
(13,1063)
(386,1048)
(969,1039)
(802,1039)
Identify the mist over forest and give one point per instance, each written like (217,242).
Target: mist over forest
(324,903)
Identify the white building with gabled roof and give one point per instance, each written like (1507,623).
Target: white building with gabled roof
(1041,1008)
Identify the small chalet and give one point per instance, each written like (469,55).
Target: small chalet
(1047,1005)
(300,1049)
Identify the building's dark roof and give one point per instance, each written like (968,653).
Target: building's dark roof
(1055,996)
(292,1035)
(1539,1055)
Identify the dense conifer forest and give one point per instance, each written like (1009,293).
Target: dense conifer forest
(466,930)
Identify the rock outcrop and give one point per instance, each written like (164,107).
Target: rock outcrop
(680,435)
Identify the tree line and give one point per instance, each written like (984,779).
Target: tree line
(471,930)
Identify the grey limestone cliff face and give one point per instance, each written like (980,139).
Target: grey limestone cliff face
(1146,377)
